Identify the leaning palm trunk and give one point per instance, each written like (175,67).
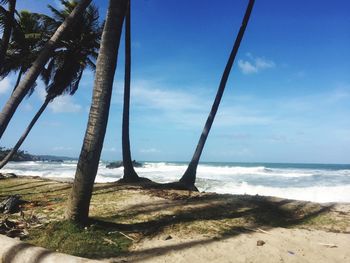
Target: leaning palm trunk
(24,136)
(33,73)
(80,196)
(129,173)
(7,31)
(19,77)
(189,176)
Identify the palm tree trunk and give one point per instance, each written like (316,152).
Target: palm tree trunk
(7,31)
(18,79)
(33,73)
(24,136)
(129,173)
(80,196)
(189,176)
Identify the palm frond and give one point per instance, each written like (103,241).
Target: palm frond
(4,2)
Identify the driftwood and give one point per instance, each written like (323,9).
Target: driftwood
(10,205)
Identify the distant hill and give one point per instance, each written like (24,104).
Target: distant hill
(22,156)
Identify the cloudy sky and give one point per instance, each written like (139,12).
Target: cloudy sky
(287,98)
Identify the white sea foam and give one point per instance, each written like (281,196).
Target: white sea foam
(312,193)
(321,184)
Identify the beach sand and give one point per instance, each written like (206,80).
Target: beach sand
(182,226)
(281,245)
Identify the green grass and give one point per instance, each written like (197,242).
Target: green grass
(91,242)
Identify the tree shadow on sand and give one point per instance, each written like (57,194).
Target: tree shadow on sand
(241,214)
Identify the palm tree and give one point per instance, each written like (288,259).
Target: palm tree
(189,176)
(69,64)
(28,38)
(80,196)
(129,172)
(7,25)
(33,73)
(78,48)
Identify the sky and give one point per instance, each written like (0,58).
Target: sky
(287,98)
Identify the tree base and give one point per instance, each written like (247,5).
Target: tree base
(149,184)
(134,180)
(177,186)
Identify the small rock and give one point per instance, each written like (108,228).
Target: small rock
(7,175)
(168,237)
(260,243)
(10,175)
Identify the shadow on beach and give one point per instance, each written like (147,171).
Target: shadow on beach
(145,212)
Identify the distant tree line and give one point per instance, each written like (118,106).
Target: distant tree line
(19,156)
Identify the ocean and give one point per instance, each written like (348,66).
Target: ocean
(310,182)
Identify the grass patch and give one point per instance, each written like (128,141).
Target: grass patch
(91,242)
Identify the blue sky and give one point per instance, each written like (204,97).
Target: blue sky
(287,98)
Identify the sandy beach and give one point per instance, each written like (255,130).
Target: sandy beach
(281,245)
(182,226)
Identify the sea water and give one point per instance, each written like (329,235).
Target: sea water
(311,182)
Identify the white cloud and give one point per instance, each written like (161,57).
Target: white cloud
(61,104)
(246,67)
(254,64)
(5,85)
(145,93)
(188,108)
(261,63)
(64,104)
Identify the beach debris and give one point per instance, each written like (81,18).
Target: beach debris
(262,231)
(125,235)
(12,229)
(10,204)
(128,237)
(111,242)
(290,252)
(168,237)
(256,230)
(260,243)
(328,245)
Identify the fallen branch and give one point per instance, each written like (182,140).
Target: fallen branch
(257,230)
(328,245)
(111,242)
(126,236)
